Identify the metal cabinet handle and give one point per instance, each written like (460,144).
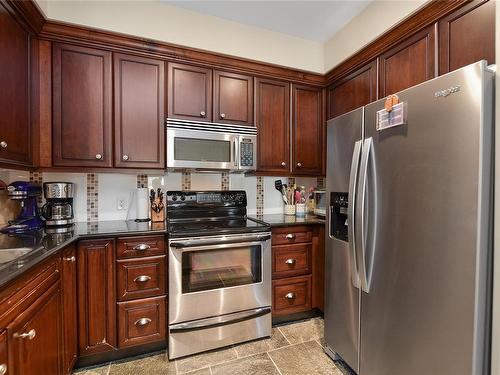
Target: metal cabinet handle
(70,259)
(222,115)
(283,164)
(290,295)
(142,279)
(29,335)
(299,165)
(98,156)
(125,157)
(142,247)
(3,144)
(142,322)
(202,113)
(290,236)
(3,369)
(290,261)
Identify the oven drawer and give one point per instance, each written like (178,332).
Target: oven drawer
(141,321)
(130,247)
(291,260)
(140,278)
(290,235)
(291,295)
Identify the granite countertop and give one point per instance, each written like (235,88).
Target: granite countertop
(281,220)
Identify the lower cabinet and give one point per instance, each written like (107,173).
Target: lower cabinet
(69,309)
(4,356)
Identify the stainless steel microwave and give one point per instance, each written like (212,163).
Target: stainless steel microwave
(211,146)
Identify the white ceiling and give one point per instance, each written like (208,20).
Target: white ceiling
(312,20)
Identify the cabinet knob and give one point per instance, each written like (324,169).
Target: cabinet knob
(3,369)
(290,295)
(142,279)
(3,144)
(27,335)
(98,156)
(125,157)
(222,115)
(142,247)
(142,322)
(202,113)
(70,259)
(283,164)
(299,165)
(290,261)
(290,236)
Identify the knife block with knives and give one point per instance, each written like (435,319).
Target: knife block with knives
(156,206)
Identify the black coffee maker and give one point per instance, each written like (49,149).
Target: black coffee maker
(58,211)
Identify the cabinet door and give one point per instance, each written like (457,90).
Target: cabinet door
(69,309)
(139,99)
(307,130)
(272,118)
(353,91)
(233,98)
(81,91)
(35,336)
(15,120)
(467,35)
(408,63)
(4,355)
(189,92)
(96,297)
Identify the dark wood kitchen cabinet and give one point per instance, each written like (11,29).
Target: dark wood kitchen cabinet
(408,63)
(307,130)
(353,91)
(272,118)
(4,355)
(15,86)
(82,106)
(189,92)
(69,308)
(139,102)
(233,98)
(467,35)
(96,296)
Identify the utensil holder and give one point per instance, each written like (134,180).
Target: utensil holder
(300,209)
(289,209)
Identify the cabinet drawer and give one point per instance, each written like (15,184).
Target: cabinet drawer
(140,278)
(3,353)
(291,260)
(291,295)
(130,247)
(141,321)
(282,236)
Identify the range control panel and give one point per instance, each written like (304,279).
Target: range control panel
(199,198)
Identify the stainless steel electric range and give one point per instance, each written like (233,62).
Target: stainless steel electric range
(219,272)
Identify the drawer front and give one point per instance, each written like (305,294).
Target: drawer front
(291,295)
(140,278)
(291,235)
(133,247)
(291,260)
(141,321)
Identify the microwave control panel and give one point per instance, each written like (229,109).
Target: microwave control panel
(246,153)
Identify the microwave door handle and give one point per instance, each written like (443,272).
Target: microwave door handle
(236,151)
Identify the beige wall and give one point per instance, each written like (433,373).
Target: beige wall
(159,21)
(372,22)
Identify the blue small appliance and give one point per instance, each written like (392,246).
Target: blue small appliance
(28,219)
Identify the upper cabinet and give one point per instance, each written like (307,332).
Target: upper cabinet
(139,101)
(408,63)
(467,35)
(307,130)
(272,118)
(233,98)
(353,91)
(82,106)
(189,92)
(15,111)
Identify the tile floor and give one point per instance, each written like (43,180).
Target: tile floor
(293,349)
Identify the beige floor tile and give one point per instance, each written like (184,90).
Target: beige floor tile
(98,370)
(304,359)
(199,361)
(259,364)
(303,331)
(276,341)
(153,365)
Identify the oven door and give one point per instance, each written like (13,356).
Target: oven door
(216,275)
(199,149)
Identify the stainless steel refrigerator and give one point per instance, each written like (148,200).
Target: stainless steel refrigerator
(408,247)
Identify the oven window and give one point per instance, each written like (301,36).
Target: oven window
(221,268)
(193,149)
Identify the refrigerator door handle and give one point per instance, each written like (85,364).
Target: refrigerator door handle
(351,218)
(366,247)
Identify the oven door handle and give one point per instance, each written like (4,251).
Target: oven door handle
(215,246)
(219,321)
(247,240)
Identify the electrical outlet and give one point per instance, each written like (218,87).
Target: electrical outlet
(121,203)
